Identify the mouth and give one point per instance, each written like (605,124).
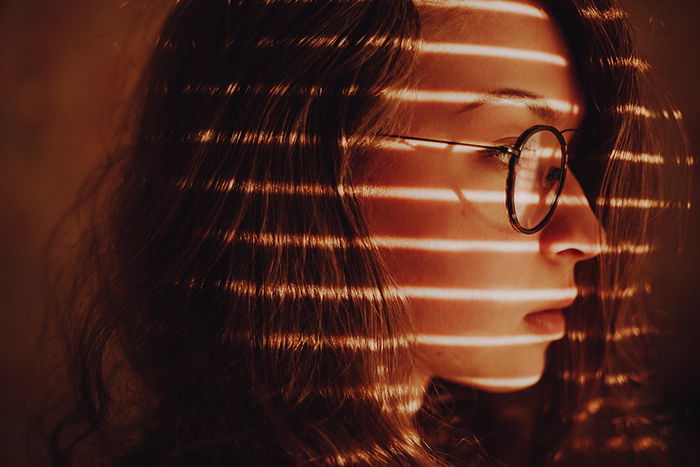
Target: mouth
(549,322)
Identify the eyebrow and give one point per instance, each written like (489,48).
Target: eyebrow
(536,103)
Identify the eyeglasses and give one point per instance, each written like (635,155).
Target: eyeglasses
(537,165)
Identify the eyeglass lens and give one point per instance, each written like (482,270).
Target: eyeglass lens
(537,177)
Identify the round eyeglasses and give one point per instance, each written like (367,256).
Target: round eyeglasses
(536,174)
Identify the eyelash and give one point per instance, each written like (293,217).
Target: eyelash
(501,156)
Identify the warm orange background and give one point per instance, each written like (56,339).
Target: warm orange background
(65,66)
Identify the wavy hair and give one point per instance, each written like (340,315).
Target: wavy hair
(197,336)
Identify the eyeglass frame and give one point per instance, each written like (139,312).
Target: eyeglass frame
(514,152)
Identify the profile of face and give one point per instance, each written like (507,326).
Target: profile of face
(487,299)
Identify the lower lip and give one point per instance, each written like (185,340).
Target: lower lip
(548,322)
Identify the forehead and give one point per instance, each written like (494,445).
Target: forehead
(477,47)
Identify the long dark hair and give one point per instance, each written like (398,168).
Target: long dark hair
(634,167)
(197,336)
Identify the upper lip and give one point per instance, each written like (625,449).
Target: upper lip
(558,305)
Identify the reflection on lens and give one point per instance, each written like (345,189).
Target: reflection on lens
(537,177)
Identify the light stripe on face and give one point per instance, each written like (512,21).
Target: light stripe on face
(494,6)
(408,243)
(490,51)
(409,193)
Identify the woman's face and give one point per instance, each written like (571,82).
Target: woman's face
(476,284)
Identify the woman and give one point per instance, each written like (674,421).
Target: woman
(333,214)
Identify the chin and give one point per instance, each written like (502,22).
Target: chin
(497,370)
(505,378)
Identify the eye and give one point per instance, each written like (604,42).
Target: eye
(500,153)
(553,175)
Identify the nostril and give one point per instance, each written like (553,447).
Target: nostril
(580,251)
(574,234)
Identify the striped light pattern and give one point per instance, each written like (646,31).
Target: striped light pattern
(623,443)
(675,114)
(638,444)
(638,110)
(291,340)
(485,196)
(484,341)
(490,51)
(456,97)
(415,145)
(274,89)
(430,47)
(503,383)
(367,456)
(644,158)
(494,295)
(393,398)
(373,294)
(642,111)
(277,188)
(608,14)
(410,407)
(295,340)
(293,291)
(630,62)
(628,248)
(614,379)
(496,6)
(500,6)
(624,333)
(421,244)
(591,408)
(617,294)
(377,391)
(640,203)
(426,244)
(407,145)
(407,193)
(246,137)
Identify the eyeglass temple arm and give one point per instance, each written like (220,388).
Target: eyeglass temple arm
(442,141)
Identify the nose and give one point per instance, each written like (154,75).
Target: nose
(573,233)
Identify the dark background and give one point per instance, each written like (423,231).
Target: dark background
(668,37)
(64,69)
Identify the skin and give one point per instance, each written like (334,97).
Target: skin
(510,362)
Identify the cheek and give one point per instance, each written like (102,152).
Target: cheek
(434,194)
(445,244)
(437,243)
(429,274)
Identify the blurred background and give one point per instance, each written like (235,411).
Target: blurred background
(668,37)
(66,69)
